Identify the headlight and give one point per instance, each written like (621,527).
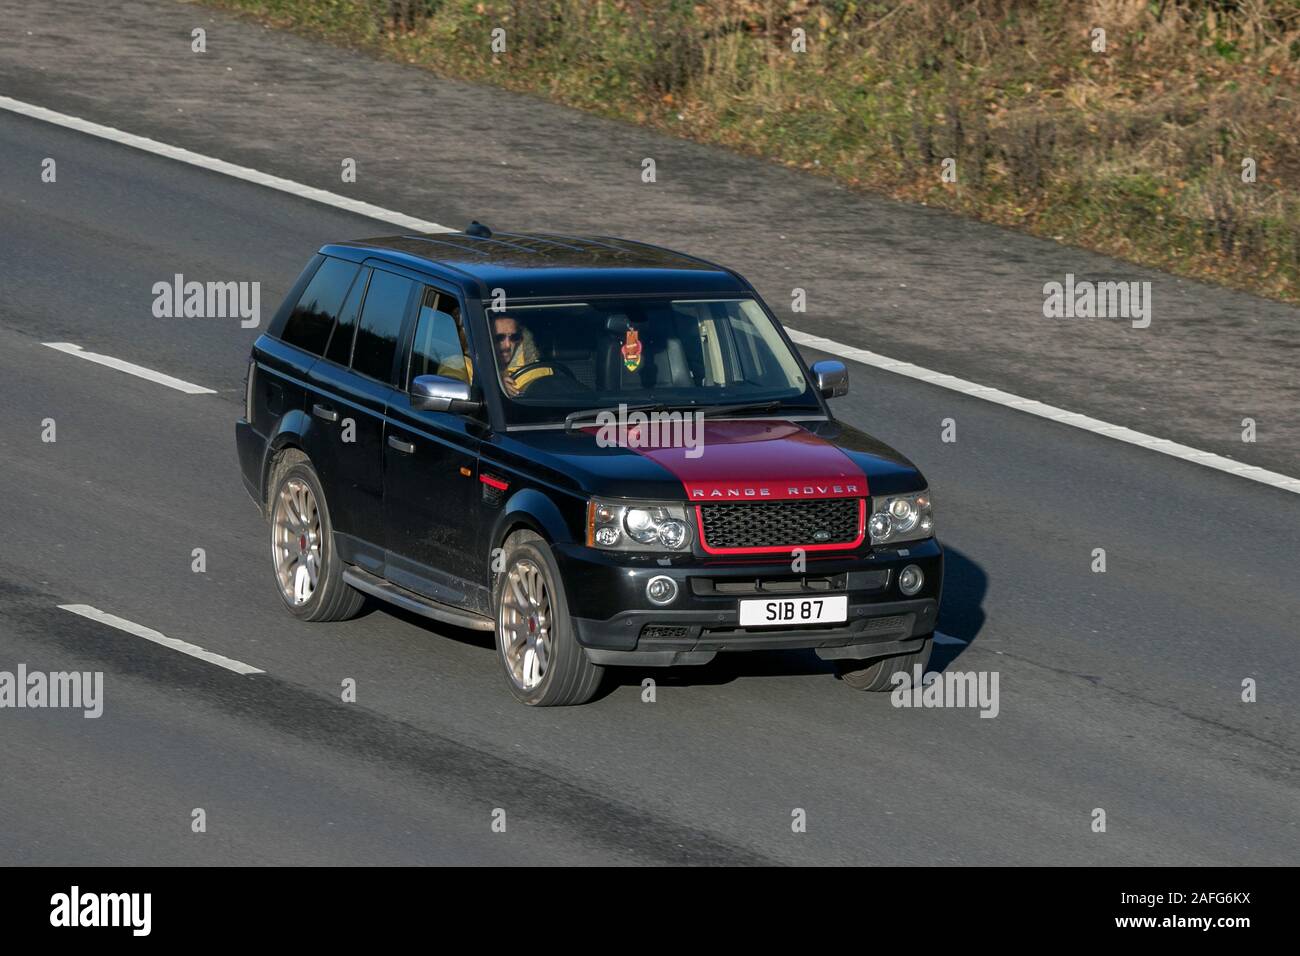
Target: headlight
(900,518)
(637,526)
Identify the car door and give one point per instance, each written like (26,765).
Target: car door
(352,385)
(433,506)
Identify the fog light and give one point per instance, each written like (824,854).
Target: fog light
(662,590)
(910,581)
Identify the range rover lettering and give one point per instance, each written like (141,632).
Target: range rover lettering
(426,423)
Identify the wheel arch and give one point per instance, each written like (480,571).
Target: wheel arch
(287,436)
(528,510)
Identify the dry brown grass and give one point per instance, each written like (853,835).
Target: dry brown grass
(1136,151)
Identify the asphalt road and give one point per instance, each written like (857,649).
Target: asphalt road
(1119,691)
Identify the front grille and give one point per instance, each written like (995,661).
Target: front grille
(781,524)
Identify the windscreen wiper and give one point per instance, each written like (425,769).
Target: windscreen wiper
(709,411)
(573,418)
(712,411)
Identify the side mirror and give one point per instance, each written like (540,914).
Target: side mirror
(437,393)
(832,378)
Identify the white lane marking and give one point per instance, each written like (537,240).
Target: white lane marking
(948,639)
(139,630)
(130,368)
(220,166)
(1050,412)
(997,396)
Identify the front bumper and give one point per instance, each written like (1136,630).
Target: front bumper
(617,624)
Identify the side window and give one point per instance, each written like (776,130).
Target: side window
(309,325)
(439,347)
(340,348)
(380,325)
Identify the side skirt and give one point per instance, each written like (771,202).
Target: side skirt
(378,587)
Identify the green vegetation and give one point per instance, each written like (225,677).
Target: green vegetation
(1136,151)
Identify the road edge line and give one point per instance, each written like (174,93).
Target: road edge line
(1050,412)
(941,379)
(215,165)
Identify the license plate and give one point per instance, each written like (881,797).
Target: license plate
(793,612)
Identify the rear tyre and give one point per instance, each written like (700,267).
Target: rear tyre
(308,571)
(878,675)
(544,664)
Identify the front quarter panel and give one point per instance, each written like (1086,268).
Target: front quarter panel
(531,508)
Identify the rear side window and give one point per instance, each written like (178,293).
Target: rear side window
(313,317)
(340,347)
(381,325)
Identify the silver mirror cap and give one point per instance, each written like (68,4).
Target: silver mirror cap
(437,393)
(832,378)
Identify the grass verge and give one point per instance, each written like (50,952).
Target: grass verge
(1171,139)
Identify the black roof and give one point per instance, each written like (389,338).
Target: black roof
(537,264)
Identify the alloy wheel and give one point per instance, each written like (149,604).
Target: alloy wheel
(296,544)
(524,624)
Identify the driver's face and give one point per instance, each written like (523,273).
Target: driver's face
(506,335)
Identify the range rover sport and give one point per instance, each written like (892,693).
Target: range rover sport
(464,425)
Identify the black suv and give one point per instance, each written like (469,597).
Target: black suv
(604,452)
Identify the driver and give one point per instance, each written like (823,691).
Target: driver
(515,349)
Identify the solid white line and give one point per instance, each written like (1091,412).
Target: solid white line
(948,639)
(130,368)
(997,396)
(1050,412)
(193,650)
(220,166)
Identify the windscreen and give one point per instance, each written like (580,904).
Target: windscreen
(555,358)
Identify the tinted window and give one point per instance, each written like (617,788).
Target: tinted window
(313,317)
(380,326)
(439,344)
(340,347)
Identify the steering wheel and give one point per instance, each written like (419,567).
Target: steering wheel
(545,363)
(554,385)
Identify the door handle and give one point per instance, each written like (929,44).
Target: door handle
(325,412)
(405,447)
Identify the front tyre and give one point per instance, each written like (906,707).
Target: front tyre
(545,666)
(308,571)
(878,675)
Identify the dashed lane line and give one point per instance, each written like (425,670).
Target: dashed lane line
(139,371)
(149,634)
